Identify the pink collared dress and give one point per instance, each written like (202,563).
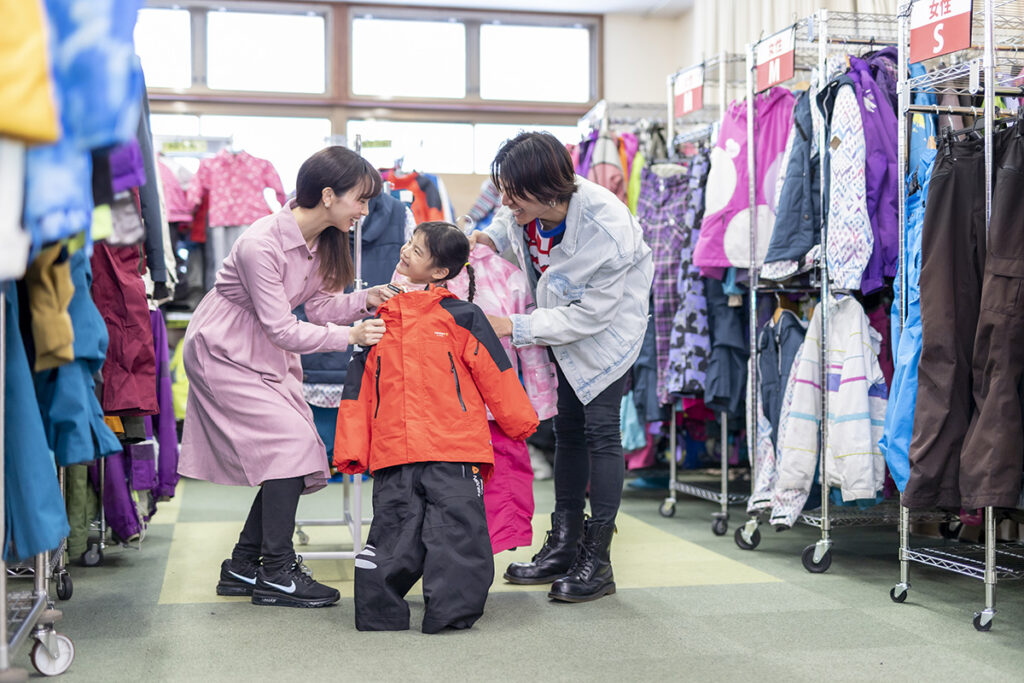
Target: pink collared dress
(246,420)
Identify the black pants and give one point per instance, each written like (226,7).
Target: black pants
(967,441)
(588,450)
(268,529)
(429,521)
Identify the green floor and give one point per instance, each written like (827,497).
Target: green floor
(690,606)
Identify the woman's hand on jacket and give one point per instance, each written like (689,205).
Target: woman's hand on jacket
(366,333)
(376,296)
(502,325)
(477,236)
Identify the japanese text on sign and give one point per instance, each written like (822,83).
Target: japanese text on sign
(775,59)
(938,27)
(688,90)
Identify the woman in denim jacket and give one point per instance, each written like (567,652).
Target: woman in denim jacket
(586,260)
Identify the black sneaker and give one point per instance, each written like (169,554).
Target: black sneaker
(237,577)
(291,586)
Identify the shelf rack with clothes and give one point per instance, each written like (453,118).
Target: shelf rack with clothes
(26,614)
(723,75)
(818,38)
(351,485)
(990,67)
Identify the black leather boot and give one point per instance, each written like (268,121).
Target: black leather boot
(557,554)
(590,576)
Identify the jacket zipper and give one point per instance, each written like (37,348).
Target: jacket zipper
(477,352)
(377,387)
(458,387)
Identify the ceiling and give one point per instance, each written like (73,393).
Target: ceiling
(652,8)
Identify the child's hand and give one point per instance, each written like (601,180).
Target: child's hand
(366,333)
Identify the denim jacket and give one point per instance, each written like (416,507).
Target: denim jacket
(592,301)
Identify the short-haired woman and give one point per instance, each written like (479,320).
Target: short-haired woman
(586,259)
(246,422)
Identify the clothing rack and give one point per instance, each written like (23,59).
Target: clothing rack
(26,614)
(708,119)
(351,485)
(1001,26)
(605,114)
(817,37)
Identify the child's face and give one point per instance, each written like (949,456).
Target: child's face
(416,263)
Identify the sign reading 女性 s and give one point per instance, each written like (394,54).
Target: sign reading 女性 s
(938,27)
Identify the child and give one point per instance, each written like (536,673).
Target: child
(413,413)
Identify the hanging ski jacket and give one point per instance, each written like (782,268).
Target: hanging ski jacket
(725,232)
(421,394)
(798,219)
(899,413)
(850,238)
(880,142)
(857,402)
(778,345)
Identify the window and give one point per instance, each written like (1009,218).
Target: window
(535,63)
(399,58)
(163,41)
(431,147)
(467,55)
(269,52)
(488,138)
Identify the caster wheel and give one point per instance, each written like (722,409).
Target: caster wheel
(53,666)
(65,588)
(950,530)
(667,509)
(755,539)
(303,537)
(719,527)
(807,557)
(92,557)
(897,597)
(980,626)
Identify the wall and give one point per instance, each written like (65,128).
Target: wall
(640,52)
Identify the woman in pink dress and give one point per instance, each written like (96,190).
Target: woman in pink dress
(247,423)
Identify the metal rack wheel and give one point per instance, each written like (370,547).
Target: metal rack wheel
(901,596)
(982,626)
(65,587)
(50,665)
(820,567)
(92,557)
(668,508)
(719,527)
(755,539)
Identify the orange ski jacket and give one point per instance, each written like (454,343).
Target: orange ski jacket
(419,395)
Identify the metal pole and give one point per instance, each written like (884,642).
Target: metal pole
(990,564)
(752,268)
(822,29)
(5,653)
(725,465)
(672,465)
(989,68)
(903,76)
(670,124)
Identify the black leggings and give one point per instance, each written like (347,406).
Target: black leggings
(588,450)
(271,523)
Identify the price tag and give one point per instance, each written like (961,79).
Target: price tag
(688,90)
(776,58)
(938,27)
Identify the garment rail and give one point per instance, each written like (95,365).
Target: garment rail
(722,74)
(1001,25)
(351,485)
(26,614)
(817,38)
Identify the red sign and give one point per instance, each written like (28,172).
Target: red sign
(938,27)
(688,90)
(776,56)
